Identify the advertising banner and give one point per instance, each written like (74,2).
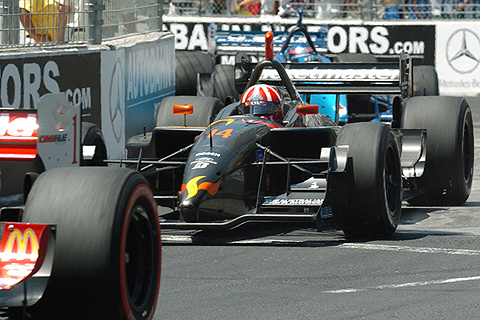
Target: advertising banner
(458,57)
(149,77)
(134,80)
(385,41)
(25,79)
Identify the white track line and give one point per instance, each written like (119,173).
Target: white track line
(382,247)
(404,285)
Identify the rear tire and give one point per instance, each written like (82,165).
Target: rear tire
(92,135)
(224,83)
(374,180)
(187,65)
(108,250)
(204,111)
(448,175)
(425,81)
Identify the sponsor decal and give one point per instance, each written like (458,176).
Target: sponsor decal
(211,154)
(18,135)
(202,163)
(334,75)
(19,250)
(463,47)
(18,124)
(20,245)
(193,186)
(57,138)
(294,202)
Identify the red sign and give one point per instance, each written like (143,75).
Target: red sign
(20,252)
(18,135)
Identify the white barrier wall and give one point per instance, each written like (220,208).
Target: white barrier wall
(457,58)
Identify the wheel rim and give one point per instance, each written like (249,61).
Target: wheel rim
(392,181)
(141,256)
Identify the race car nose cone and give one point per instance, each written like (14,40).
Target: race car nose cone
(188,211)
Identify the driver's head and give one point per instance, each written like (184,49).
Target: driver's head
(301,53)
(262,100)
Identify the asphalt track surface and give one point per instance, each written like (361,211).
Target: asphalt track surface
(429,269)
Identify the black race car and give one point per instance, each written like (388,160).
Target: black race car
(219,167)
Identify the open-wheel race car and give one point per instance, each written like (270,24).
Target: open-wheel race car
(86,244)
(215,167)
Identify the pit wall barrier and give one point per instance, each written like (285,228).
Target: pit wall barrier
(453,47)
(118,86)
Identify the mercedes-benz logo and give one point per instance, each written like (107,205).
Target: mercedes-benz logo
(117,100)
(463,49)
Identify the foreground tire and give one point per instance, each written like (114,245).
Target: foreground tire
(374,180)
(204,111)
(224,83)
(187,65)
(448,175)
(108,249)
(425,81)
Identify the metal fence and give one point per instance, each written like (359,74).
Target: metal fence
(333,9)
(50,22)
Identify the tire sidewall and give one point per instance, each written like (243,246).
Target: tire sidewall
(136,193)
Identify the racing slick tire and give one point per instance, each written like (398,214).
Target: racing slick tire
(92,135)
(224,83)
(187,65)
(108,248)
(204,111)
(448,175)
(425,81)
(374,180)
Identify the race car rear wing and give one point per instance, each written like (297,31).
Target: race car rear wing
(330,78)
(346,78)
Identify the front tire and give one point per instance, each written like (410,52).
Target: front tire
(108,248)
(448,175)
(374,180)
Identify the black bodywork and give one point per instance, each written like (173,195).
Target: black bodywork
(246,168)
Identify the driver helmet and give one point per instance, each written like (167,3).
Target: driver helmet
(263,100)
(301,53)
